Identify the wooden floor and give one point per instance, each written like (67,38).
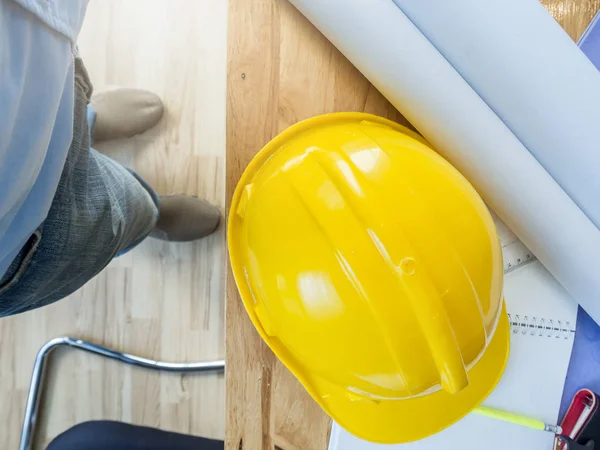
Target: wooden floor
(164,301)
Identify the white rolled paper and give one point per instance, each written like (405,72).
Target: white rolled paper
(534,77)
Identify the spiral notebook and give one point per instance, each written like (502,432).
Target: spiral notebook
(543,318)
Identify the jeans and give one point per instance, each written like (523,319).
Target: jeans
(104,435)
(99,210)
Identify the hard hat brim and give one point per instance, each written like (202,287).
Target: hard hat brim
(400,421)
(383,420)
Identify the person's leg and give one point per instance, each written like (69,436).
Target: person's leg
(105,435)
(100,209)
(123,112)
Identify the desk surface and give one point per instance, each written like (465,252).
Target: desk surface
(282,70)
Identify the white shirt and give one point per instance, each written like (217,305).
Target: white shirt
(37,40)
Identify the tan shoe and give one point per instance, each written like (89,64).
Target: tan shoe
(185,218)
(123,112)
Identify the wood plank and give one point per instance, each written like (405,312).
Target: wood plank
(573,15)
(282,70)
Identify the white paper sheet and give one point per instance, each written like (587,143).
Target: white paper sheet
(392,53)
(534,77)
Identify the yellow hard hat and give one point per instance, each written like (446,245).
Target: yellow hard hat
(373,270)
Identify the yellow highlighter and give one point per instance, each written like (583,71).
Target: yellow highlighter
(516,419)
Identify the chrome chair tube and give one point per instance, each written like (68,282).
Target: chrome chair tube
(39,368)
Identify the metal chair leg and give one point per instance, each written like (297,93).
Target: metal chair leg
(37,377)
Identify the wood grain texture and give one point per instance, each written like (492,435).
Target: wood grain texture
(282,70)
(573,15)
(162,300)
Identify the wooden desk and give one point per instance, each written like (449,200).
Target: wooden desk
(282,70)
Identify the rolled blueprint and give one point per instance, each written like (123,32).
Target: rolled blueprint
(534,77)
(393,54)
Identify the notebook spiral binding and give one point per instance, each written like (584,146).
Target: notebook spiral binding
(541,327)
